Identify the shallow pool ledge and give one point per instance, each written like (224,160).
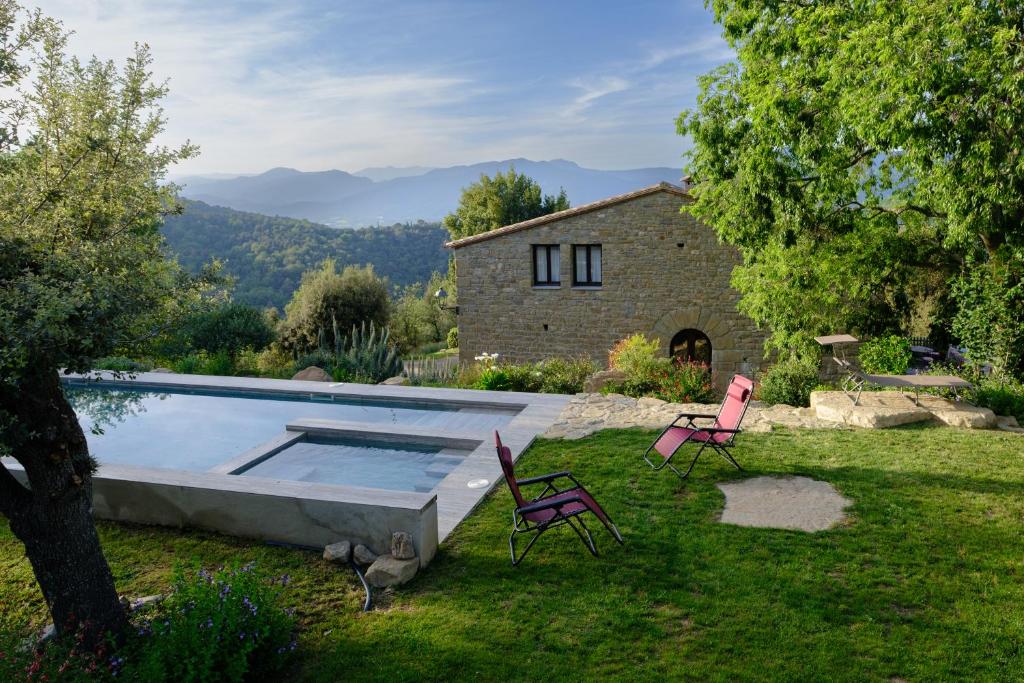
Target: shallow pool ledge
(295,513)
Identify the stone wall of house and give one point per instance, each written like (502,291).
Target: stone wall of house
(663,272)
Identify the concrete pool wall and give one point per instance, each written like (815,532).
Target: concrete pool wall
(311,514)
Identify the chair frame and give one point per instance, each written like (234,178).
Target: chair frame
(521,525)
(720,447)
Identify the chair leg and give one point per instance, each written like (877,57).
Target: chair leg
(588,540)
(724,452)
(692,462)
(512,544)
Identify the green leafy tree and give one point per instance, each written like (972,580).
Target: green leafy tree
(328,304)
(861,156)
(417,316)
(82,272)
(502,200)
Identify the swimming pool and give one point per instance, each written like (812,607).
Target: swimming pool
(357,462)
(195,429)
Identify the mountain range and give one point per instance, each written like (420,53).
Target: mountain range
(267,255)
(388,195)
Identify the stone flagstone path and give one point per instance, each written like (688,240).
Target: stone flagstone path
(589,413)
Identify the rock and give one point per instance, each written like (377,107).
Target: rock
(338,552)
(390,571)
(649,402)
(145,602)
(876,409)
(313,374)
(1008,424)
(363,555)
(599,380)
(166,371)
(48,633)
(401,546)
(398,381)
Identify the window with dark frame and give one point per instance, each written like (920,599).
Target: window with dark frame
(546,265)
(586,265)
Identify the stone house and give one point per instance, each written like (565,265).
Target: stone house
(575,282)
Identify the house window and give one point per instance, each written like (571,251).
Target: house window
(586,265)
(546,266)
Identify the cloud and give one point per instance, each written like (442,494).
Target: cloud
(593,90)
(313,85)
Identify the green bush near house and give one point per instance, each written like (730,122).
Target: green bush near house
(885,355)
(453,338)
(1003,395)
(789,382)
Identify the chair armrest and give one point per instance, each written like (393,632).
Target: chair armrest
(723,430)
(545,478)
(695,416)
(548,504)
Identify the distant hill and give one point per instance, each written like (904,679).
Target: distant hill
(268,254)
(382,173)
(341,199)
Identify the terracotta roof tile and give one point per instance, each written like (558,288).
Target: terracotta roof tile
(568,213)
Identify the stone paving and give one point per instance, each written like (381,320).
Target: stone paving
(589,413)
(783,503)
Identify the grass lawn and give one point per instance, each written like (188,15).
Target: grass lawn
(925,582)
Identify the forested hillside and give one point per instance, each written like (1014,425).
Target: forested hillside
(268,254)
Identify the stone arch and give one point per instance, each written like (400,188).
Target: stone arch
(726,356)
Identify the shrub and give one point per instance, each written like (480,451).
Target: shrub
(219,626)
(1003,395)
(370,356)
(638,358)
(565,375)
(327,303)
(686,382)
(790,381)
(453,338)
(885,355)
(231,328)
(121,364)
(203,363)
(270,362)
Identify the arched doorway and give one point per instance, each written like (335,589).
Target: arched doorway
(691,345)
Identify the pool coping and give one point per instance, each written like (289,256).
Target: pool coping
(534,414)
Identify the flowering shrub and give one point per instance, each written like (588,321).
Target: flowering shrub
(686,382)
(638,357)
(69,658)
(216,626)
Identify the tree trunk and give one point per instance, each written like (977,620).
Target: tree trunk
(54,519)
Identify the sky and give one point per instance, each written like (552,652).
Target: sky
(315,85)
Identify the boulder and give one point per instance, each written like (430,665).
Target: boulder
(401,546)
(390,571)
(399,381)
(599,380)
(338,552)
(876,409)
(363,555)
(166,371)
(313,374)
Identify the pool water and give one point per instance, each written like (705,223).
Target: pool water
(198,430)
(351,462)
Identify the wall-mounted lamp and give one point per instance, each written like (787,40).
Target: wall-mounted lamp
(442,297)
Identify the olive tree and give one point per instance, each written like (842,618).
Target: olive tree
(502,200)
(82,272)
(866,155)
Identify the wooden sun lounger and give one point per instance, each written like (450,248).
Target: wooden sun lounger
(855,379)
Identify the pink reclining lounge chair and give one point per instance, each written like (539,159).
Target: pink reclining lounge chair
(552,508)
(719,436)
